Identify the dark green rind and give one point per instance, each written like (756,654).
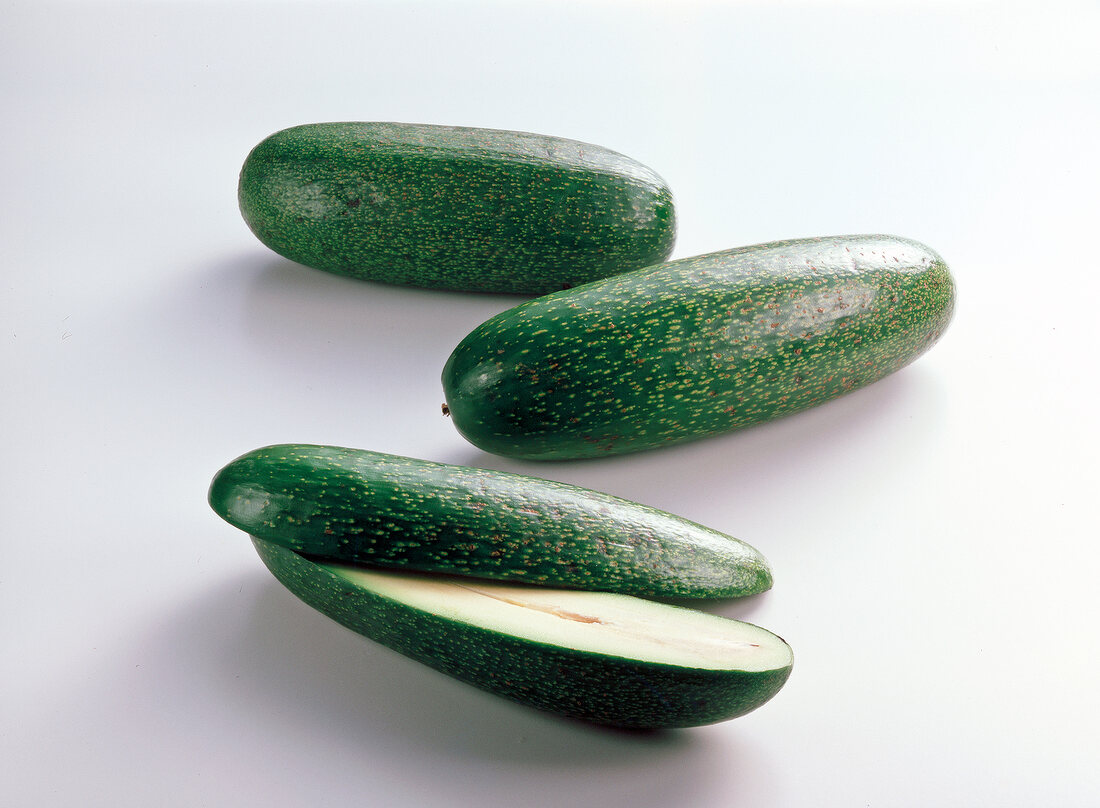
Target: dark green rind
(587,686)
(366,507)
(453,207)
(696,347)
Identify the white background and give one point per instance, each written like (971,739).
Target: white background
(933,536)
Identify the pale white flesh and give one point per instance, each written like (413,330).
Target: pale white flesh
(596,622)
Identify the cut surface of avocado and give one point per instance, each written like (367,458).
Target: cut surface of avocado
(594,622)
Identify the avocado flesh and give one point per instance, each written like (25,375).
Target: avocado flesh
(593,622)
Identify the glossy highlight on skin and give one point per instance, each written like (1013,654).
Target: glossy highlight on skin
(454,207)
(696,347)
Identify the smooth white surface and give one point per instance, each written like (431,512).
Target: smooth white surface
(934,536)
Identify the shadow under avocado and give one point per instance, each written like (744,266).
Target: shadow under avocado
(307,313)
(292,661)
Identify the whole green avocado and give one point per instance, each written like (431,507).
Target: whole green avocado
(696,347)
(452,207)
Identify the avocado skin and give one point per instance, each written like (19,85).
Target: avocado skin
(696,347)
(582,685)
(358,506)
(454,207)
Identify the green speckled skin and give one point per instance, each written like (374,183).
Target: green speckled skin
(365,507)
(583,685)
(696,347)
(454,208)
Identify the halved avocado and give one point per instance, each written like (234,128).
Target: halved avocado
(600,657)
(363,507)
